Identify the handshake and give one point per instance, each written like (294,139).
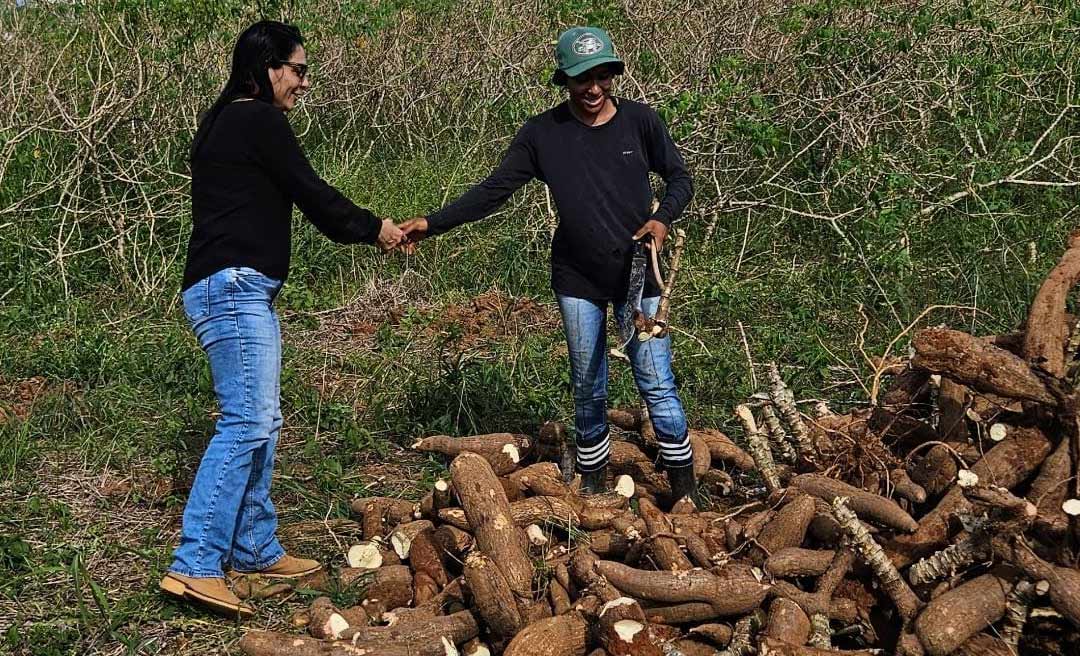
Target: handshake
(403,237)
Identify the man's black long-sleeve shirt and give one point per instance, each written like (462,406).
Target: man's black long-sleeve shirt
(599,179)
(245,177)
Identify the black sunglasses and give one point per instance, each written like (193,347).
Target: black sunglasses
(300,69)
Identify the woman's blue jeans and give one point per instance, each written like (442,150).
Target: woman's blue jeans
(229,519)
(584,321)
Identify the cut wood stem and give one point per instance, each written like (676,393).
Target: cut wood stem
(660,320)
(1017,607)
(948,561)
(759,448)
(778,437)
(907,604)
(784,401)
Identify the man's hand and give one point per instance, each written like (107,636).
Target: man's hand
(413,231)
(658,231)
(390,236)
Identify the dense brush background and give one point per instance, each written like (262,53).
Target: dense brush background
(856,163)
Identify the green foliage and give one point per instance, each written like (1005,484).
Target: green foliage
(607,14)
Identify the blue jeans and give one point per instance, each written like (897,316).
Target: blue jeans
(229,519)
(584,321)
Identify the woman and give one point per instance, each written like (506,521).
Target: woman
(595,152)
(247,171)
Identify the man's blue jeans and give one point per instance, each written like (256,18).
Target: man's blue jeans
(229,519)
(584,321)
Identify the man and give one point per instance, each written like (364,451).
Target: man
(595,152)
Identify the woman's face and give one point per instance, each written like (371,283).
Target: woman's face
(290,80)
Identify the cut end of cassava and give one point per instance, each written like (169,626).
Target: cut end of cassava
(627,629)
(401,543)
(966,478)
(998,432)
(364,555)
(417,443)
(742,411)
(1071,507)
(624,486)
(336,626)
(402,537)
(448,648)
(513,453)
(442,486)
(478,650)
(536,535)
(615,603)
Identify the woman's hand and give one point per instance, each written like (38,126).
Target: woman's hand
(390,236)
(413,230)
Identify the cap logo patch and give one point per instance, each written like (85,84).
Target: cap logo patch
(587,44)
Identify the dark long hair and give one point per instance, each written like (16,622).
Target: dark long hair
(265,44)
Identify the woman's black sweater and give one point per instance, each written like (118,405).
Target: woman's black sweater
(246,175)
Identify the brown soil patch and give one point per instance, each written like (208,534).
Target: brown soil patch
(491,315)
(17,398)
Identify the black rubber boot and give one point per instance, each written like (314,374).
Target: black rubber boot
(594,482)
(683,484)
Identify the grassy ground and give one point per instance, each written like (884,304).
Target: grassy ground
(105,398)
(109,404)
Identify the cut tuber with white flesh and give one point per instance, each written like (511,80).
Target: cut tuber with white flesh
(536,535)
(326,622)
(401,537)
(623,630)
(366,555)
(503,451)
(433,637)
(624,486)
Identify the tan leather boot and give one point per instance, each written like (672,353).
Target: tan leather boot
(288,567)
(210,592)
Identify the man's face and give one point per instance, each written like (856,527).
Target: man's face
(590,90)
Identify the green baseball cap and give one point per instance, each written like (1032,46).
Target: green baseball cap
(582,48)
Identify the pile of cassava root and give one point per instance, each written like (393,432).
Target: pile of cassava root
(940,520)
